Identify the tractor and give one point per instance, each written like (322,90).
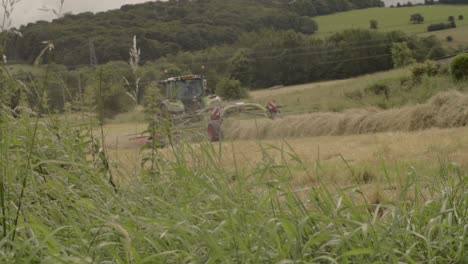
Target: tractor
(186,97)
(187,107)
(184,105)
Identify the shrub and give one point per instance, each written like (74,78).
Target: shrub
(453,24)
(405,80)
(428,68)
(416,18)
(379,89)
(106,93)
(152,99)
(449,38)
(441,26)
(374,24)
(451,18)
(402,55)
(459,67)
(355,95)
(230,89)
(444,69)
(460,17)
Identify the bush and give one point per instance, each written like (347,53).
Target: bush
(449,38)
(453,24)
(444,69)
(405,80)
(230,89)
(441,26)
(459,67)
(379,89)
(428,68)
(402,55)
(355,95)
(106,93)
(152,99)
(451,18)
(416,18)
(460,17)
(374,24)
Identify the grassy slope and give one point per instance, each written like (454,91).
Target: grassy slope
(392,18)
(322,96)
(337,95)
(459,35)
(398,19)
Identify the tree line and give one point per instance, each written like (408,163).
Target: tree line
(168,27)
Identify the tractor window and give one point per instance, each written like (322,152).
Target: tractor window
(189,89)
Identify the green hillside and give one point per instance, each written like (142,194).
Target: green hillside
(392,18)
(168,27)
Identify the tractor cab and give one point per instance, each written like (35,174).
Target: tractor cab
(185,88)
(186,94)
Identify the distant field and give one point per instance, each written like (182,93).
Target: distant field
(459,35)
(392,18)
(338,96)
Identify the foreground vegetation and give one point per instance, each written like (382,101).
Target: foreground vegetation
(60,205)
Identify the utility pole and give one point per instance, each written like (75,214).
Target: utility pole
(80,91)
(92,54)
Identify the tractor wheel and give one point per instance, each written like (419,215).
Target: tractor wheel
(214,131)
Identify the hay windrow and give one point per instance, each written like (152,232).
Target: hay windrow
(445,110)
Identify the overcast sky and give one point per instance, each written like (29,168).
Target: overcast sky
(28,10)
(395,2)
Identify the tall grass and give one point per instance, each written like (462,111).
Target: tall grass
(202,212)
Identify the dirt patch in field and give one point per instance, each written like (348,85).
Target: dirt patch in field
(444,110)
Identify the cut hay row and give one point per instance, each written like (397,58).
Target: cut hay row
(445,110)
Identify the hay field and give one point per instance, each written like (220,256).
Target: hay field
(442,119)
(376,162)
(445,110)
(366,137)
(391,18)
(361,144)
